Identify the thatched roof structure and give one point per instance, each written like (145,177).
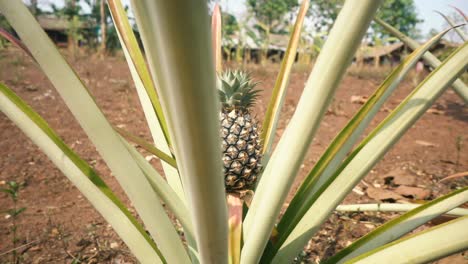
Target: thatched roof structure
(367,52)
(53,23)
(277,42)
(57,27)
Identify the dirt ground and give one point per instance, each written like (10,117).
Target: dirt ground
(60,226)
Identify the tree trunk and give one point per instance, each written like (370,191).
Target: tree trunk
(247,56)
(376,61)
(71,39)
(266,47)
(34,7)
(239,54)
(103,26)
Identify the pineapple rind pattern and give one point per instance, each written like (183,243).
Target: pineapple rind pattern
(241,150)
(239,131)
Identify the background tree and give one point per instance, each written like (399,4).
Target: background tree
(270,16)
(106,32)
(230,28)
(323,13)
(401,14)
(34,8)
(102,9)
(70,11)
(245,31)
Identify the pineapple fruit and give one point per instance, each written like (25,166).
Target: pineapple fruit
(239,131)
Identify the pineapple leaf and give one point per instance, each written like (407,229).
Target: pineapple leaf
(146,92)
(187,92)
(84,108)
(148,147)
(345,140)
(80,174)
(422,247)
(279,174)
(237,90)
(129,41)
(279,91)
(401,225)
(361,160)
(452,24)
(458,86)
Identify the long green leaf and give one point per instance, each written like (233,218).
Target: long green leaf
(423,247)
(452,24)
(459,87)
(345,140)
(129,42)
(399,226)
(148,147)
(188,95)
(81,175)
(235,209)
(164,191)
(98,129)
(146,91)
(284,164)
(372,149)
(159,136)
(279,91)
(167,194)
(392,207)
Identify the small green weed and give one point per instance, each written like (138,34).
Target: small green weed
(12,191)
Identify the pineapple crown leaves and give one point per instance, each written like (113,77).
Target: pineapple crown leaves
(236,90)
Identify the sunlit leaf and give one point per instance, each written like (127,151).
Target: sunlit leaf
(98,129)
(345,140)
(146,92)
(279,91)
(392,207)
(371,150)
(125,31)
(187,88)
(399,226)
(423,247)
(281,170)
(80,174)
(148,147)
(459,87)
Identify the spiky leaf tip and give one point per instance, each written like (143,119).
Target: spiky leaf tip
(236,90)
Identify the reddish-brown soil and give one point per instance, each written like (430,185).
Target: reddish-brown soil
(60,226)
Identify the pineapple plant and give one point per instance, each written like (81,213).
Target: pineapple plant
(177,91)
(239,131)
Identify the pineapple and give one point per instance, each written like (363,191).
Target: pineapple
(239,131)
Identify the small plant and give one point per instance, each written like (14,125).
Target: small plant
(179,96)
(12,191)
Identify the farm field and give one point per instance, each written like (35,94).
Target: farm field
(60,226)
